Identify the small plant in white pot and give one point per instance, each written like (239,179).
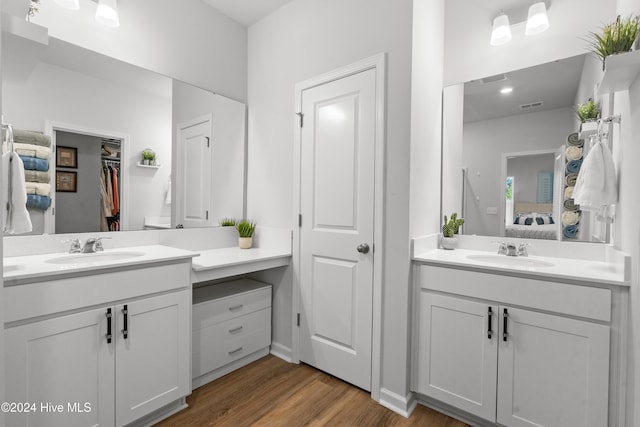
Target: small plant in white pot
(245,229)
(227,222)
(450,228)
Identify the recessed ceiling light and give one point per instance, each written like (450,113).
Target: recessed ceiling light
(506,90)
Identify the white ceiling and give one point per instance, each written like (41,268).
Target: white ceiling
(246,12)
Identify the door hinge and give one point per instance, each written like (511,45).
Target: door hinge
(301,118)
(298,320)
(299,220)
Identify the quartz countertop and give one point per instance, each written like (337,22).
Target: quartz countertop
(225,257)
(24,269)
(560,268)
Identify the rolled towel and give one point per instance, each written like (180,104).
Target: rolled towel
(32,150)
(35,201)
(568,192)
(573,166)
(574,153)
(570,180)
(574,139)
(570,231)
(31,137)
(34,164)
(570,218)
(40,189)
(569,205)
(37,176)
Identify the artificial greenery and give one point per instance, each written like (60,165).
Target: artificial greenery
(588,111)
(148,154)
(615,37)
(451,226)
(227,222)
(245,228)
(34,7)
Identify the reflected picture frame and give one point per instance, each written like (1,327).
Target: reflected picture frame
(66,181)
(66,157)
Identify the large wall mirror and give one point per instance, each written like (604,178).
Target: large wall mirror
(505,158)
(102,114)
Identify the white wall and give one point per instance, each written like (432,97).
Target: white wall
(303,39)
(187,40)
(468,54)
(60,95)
(452,148)
(484,144)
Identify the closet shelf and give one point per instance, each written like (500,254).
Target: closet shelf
(620,73)
(115,159)
(140,165)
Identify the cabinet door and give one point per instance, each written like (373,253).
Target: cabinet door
(153,358)
(457,354)
(552,371)
(65,368)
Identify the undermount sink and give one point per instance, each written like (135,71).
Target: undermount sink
(94,258)
(509,261)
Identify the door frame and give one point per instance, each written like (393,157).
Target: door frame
(50,128)
(378,63)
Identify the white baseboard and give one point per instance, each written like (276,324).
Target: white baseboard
(403,405)
(281,351)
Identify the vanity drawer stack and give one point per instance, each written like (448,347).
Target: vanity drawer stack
(231,327)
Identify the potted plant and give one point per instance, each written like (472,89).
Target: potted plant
(450,228)
(588,114)
(227,222)
(148,157)
(616,37)
(245,233)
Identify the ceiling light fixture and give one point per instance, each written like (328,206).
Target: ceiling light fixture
(501,32)
(506,90)
(534,15)
(107,13)
(537,19)
(69,4)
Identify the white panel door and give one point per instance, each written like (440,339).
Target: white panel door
(458,353)
(337,207)
(193,173)
(153,360)
(62,361)
(553,371)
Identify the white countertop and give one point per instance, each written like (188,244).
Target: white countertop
(225,257)
(22,269)
(562,268)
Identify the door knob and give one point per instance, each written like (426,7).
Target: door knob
(363,248)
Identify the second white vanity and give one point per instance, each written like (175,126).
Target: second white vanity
(520,341)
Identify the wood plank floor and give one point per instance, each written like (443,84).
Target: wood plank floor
(271,392)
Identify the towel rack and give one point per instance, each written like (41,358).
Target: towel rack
(9,130)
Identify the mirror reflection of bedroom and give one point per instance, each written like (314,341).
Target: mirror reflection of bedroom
(530,211)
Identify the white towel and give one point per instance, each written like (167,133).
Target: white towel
(32,150)
(596,186)
(39,188)
(16,217)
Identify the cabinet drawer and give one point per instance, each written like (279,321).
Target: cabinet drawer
(574,300)
(221,309)
(217,345)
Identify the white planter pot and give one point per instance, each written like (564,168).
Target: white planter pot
(448,242)
(245,242)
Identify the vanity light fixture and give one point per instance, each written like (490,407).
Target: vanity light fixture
(537,19)
(534,15)
(69,4)
(107,13)
(501,32)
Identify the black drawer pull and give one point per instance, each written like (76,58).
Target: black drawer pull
(108,315)
(504,329)
(489,331)
(236,307)
(236,351)
(125,330)
(236,330)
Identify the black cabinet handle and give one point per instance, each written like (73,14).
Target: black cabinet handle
(125,330)
(489,331)
(504,329)
(108,316)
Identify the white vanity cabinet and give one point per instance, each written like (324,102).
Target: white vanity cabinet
(503,349)
(99,350)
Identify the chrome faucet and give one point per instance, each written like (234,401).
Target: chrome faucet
(502,248)
(76,247)
(522,249)
(511,250)
(93,244)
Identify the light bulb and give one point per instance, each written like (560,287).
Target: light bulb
(537,20)
(501,32)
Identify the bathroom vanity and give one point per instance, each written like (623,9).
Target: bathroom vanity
(520,341)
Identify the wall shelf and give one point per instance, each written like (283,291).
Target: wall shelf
(140,165)
(620,73)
